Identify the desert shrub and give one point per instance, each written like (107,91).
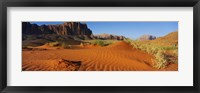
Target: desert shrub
(160,59)
(127,40)
(54,44)
(59,44)
(65,45)
(157,51)
(100,42)
(175,52)
(170,47)
(85,43)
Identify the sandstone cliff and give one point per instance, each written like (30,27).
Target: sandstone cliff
(67,28)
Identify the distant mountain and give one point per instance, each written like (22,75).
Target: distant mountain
(108,36)
(67,28)
(147,37)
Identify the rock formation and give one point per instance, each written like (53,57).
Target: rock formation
(67,28)
(108,36)
(147,37)
(65,31)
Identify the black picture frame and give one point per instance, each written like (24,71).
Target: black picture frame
(100,3)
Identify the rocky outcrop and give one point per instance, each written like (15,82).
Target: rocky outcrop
(65,31)
(67,28)
(147,37)
(30,29)
(108,36)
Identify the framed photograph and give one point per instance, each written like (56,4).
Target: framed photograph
(76,46)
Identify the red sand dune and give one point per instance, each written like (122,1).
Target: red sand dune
(119,56)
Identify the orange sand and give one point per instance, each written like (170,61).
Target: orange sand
(119,56)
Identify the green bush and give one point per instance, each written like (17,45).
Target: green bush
(170,48)
(100,43)
(59,44)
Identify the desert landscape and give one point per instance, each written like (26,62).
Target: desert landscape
(72,46)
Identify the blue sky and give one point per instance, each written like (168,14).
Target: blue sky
(129,29)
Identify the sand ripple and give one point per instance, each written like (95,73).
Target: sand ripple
(116,57)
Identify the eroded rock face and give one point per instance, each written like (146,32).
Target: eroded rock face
(147,37)
(28,28)
(67,28)
(72,30)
